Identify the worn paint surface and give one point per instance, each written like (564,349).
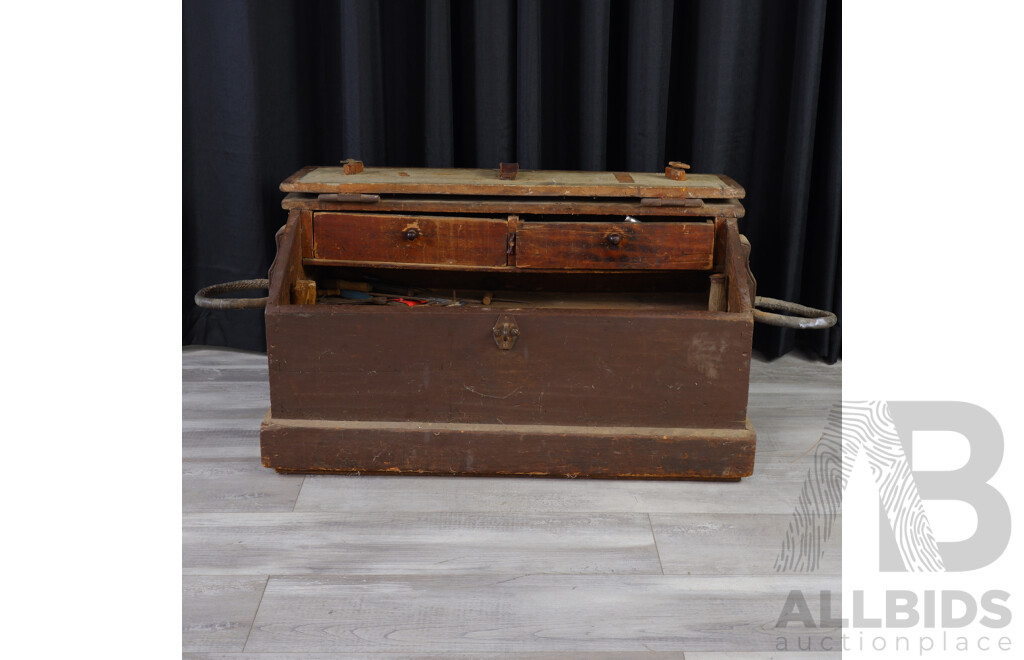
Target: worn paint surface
(527,183)
(606,386)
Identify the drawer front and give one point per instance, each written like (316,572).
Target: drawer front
(615,245)
(410,239)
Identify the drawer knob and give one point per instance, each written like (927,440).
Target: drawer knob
(614,239)
(411,234)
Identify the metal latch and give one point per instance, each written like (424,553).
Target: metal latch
(505,332)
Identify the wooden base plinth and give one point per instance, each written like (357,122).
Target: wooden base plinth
(372,447)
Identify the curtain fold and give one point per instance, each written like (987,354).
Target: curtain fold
(747,88)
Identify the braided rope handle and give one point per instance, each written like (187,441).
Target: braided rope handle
(205,297)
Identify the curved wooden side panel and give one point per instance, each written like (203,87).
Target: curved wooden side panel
(736,266)
(287,266)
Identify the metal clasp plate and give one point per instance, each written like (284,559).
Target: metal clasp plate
(505,332)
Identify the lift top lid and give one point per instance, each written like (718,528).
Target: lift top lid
(526,183)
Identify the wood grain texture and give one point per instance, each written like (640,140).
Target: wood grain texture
(769,655)
(224,395)
(236,484)
(410,239)
(462,268)
(541,655)
(638,655)
(306,234)
(380,543)
(204,409)
(202,442)
(212,357)
(771,489)
(526,613)
(707,544)
(217,374)
(217,610)
(722,208)
(528,183)
(615,245)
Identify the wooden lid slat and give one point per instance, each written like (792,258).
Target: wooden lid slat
(528,183)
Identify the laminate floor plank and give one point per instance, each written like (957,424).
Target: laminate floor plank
(210,401)
(380,543)
(236,485)
(594,655)
(224,374)
(218,407)
(537,613)
(217,610)
(218,356)
(794,367)
(716,544)
(201,441)
(773,488)
(830,642)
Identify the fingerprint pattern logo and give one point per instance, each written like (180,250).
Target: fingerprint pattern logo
(821,501)
(854,428)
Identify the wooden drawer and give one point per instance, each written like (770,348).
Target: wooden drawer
(615,245)
(410,239)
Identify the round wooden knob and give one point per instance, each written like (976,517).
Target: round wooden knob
(614,239)
(411,234)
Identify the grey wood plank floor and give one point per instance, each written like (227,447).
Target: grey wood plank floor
(280,567)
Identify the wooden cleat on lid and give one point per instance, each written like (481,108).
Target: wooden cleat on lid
(676,170)
(508,171)
(352,166)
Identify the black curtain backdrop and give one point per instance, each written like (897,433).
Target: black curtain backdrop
(746,88)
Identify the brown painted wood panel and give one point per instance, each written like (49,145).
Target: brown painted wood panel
(638,390)
(410,239)
(615,245)
(525,450)
(528,183)
(576,367)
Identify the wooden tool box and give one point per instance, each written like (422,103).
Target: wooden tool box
(510,322)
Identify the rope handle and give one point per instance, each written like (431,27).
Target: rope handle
(792,315)
(205,297)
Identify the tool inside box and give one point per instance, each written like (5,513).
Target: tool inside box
(510,290)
